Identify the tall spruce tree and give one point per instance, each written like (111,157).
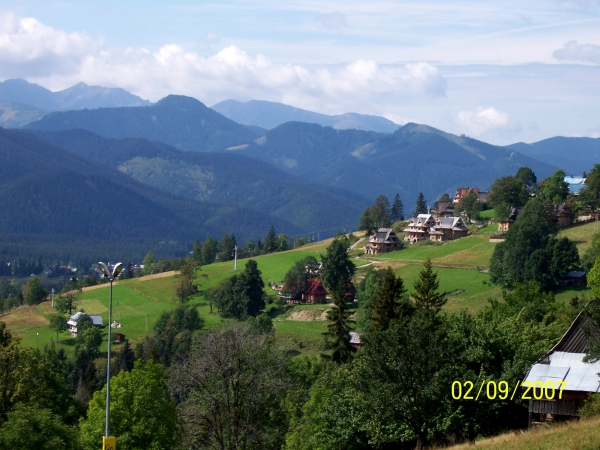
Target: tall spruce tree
(387,303)
(270,244)
(421,205)
(337,268)
(426,293)
(337,336)
(397,212)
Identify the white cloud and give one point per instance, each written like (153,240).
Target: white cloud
(334,20)
(572,51)
(484,120)
(57,59)
(30,48)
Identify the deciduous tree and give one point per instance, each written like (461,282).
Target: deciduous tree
(230,389)
(142,414)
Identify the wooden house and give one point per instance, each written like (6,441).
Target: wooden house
(448,229)
(563,215)
(315,292)
(418,228)
(443,209)
(564,364)
(426,226)
(382,241)
(504,224)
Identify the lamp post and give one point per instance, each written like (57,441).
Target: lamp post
(109,442)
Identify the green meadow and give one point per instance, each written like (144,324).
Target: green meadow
(461,266)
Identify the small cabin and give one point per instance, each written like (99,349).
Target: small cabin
(564,364)
(73,322)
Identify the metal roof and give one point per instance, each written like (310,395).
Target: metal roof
(568,367)
(96,320)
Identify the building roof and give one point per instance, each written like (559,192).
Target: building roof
(450,223)
(355,338)
(315,287)
(576,274)
(96,320)
(564,362)
(575,184)
(384,236)
(444,207)
(562,210)
(567,367)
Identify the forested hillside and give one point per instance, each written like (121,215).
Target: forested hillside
(414,159)
(48,191)
(573,154)
(226,178)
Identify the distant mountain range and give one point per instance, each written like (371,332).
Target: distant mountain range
(182,122)
(15,115)
(269,115)
(415,158)
(224,178)
(573,154)
(80,96)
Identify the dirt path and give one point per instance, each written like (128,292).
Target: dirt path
(146,277)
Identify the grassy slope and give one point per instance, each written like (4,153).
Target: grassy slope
(456,263)
(580,435)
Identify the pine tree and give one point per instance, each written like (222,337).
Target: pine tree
(387,302)
(197,252)
(126,357)
(270,244)
(421,206)
(397,212)
(337,267)
(337,336)
(426,293)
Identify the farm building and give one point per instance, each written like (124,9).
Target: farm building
(564,364)
(73,322)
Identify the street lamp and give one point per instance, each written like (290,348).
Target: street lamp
(109,442)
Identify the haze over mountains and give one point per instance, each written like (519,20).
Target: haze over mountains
(573,154)
(413,159)
(177,170)
(269,115)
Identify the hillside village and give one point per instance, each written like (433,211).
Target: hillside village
(489,288)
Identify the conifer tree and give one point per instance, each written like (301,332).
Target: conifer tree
(337,336)
(397,212)
(270,244)
(426,293)
(337,268)
(387,302)
(421,205)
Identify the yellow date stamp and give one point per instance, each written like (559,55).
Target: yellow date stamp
(501,390)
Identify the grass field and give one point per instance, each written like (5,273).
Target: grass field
(460,264)
(576,435)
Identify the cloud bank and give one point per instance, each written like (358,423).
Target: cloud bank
(484,120)
(573,51)
(57,59)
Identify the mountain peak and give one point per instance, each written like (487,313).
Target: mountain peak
(180,101)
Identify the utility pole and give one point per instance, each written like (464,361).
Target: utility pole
(235,258)
(53,297)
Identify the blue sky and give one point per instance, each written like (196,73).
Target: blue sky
(499,71)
